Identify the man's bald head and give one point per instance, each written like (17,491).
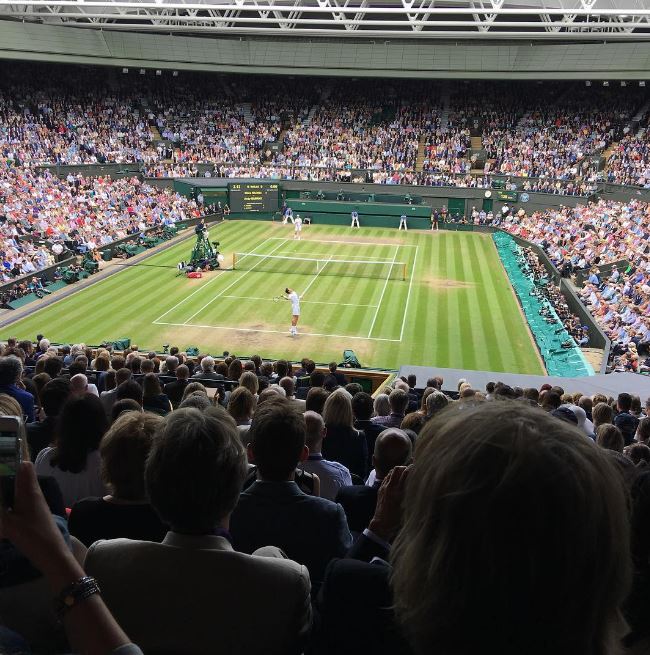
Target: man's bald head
(78,384)
(315,431)
(392,448)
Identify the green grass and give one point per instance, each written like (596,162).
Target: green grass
(455,309)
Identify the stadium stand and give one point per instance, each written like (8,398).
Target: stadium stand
(326,131)
(182,503)
(144,455)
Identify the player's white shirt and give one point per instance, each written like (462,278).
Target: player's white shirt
(297,224)
(295,303)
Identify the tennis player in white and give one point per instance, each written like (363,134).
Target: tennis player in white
(294,299)
(297,227)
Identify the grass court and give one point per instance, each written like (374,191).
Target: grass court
(454,308)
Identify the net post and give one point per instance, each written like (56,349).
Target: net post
(404,272)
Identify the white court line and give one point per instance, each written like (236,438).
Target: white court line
(302,334)
(302,295)
(350,243)
(313,302)
(342,258)
(232,284)
(408,297)
(221,270)
(383,291)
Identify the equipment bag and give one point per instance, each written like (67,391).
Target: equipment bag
(350,360)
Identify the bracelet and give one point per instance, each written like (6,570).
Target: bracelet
(75,593)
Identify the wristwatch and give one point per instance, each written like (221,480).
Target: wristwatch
(75,593)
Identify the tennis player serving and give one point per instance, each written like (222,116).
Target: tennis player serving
(293,297)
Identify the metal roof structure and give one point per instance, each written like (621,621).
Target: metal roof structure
(557,20)
(610,384)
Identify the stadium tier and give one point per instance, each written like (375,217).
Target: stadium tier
(349,357)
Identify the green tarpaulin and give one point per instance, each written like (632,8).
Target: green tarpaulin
(563,362)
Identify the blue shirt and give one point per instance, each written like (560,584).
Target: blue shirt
(332,475)
(24,398)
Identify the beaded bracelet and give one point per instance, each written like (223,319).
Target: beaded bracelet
(75,593)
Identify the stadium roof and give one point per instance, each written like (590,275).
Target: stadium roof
(610,384)
(559,20)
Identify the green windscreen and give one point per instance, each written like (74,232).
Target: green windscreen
(561,354)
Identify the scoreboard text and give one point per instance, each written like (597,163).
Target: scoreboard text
(246,197)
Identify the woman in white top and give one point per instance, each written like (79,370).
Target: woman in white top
(74,462)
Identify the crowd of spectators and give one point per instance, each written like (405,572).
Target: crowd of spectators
(546,288)
(151,469)
(363,127)
(562,138)
(169,126)
(629,161)
(620,302)
(586,237)
(43,215)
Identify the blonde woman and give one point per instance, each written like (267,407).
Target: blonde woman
(343,443)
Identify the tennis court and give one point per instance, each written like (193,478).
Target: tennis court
(347,290)
(439,299)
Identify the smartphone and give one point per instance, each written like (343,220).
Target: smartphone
(10,457)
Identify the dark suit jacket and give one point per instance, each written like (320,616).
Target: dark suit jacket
(359,503)
(301,392)
(348,447)
(40,435)
(310,530)
(335,379)
(371,431)
(355,606)
(211,375)
(174,391)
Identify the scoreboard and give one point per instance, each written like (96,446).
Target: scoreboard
(254,197)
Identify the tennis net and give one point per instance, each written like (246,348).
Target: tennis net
(369,268)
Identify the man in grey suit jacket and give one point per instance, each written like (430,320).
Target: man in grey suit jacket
(273,510)
(193,594)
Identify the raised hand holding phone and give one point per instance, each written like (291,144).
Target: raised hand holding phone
(10,457)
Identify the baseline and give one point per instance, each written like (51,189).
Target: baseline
(349,243)
(333,258)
